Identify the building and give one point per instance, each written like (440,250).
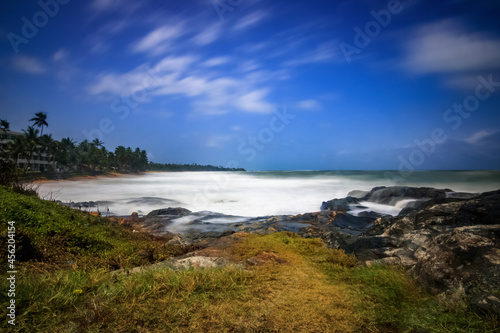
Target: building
(39,161)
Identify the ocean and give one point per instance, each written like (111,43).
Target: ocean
(250,194)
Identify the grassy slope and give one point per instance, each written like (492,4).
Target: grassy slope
(65,285)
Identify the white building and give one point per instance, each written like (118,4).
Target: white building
(38,162)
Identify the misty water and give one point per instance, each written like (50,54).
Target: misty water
(251,194)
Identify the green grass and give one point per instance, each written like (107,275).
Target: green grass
(48,234)
(298,286)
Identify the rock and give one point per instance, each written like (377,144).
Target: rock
(448,243)
(391,195)
(200,262)
(487,304)
(177,212)
(357,194)
(340,205)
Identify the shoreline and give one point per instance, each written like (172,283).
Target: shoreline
(43,180)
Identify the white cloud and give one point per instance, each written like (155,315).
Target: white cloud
(480,136)
(175,64)
(60,55)
(216,61)
(208,35)
(103,4)
(446,46)
(250,19)
(309,104)
(323,53)
(249,66)
(29,65)
(100,6)
(216,141)
(208,92)
(158,40)
(254,102)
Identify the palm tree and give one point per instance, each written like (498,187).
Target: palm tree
(40,120)
(50,147)
(17,148)
(67,152)
(97,143)
(31,141)
(4,125)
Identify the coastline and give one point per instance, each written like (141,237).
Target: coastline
(43,180)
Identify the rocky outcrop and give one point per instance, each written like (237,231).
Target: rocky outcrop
(340,205)
(448,243)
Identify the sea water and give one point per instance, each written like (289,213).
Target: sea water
(251,194)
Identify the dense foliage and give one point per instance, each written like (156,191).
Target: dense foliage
(188,167)
(67,158)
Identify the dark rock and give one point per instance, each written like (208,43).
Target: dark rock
(357,194)
(448,243)
(370,214)
(340,205)
(487,304)
(393,194)
(177,212)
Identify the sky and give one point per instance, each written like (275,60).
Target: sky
(262,84)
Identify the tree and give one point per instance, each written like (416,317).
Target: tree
(67,154)
(49,146)
(17,148)
(31,141)
(96,142)
(4,125)
(40,120)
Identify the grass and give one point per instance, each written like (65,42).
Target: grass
(50,235)
(292,285)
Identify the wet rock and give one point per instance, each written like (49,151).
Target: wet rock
(448,243)
(339,205)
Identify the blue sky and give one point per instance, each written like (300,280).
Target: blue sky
(262,84)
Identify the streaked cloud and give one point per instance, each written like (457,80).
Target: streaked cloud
(31,65)
(309,104)
(216,61)
(480,136)
(208,35)
(324,52)
(60,55)
(158,40)
(447,46)
(250,20)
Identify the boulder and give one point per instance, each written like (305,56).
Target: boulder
(449,243)
(340,205)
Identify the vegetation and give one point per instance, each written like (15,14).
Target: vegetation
(68,158)
(188,167)
(65,283)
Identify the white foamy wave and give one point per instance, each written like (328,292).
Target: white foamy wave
(248,194)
